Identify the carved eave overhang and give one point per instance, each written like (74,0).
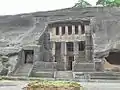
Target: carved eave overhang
(69,22)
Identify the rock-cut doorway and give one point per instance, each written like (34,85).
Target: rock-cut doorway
(29,56)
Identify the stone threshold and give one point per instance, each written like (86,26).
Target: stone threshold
(10,78)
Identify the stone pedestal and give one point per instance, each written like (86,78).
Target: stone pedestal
(99,65)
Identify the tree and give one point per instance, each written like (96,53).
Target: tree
(110,3)
(82,3)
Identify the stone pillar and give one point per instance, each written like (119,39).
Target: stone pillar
(63,54)
(99,65)
(53,31)
(60,30)
(73,29)
(66,30)
(79,29)
(53,51)
(76,51)
(88,44)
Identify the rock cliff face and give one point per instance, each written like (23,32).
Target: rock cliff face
(12,29)
(19,30)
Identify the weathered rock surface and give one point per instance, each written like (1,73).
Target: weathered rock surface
(21,30)
(18,30)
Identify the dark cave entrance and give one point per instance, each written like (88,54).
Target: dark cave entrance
(29,56)
(114,58)
(70,60)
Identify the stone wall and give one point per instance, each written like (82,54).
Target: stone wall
(16,61)
(43,69)
(44,41)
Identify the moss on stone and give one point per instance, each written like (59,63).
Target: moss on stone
(53,84)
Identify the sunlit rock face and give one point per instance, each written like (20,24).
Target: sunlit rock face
(21,30)
(13,28)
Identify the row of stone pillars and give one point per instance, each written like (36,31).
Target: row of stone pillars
(63,53)
(88,49)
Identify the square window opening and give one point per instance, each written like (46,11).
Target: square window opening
(82,29)
(70,46)
(81,45)
(76,29)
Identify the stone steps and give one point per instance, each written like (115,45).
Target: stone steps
(105,75)
(23,70)
(44,74)
(44,66)
(96,75)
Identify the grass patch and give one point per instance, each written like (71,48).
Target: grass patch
(53,85)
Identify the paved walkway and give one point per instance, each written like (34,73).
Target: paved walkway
(101,86)
(12,85)
(18,85)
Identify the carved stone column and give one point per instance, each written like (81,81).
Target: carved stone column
(88,44)
(60,30)
(53,31)
(79,29)
(63,54)
(66,30)
(53,51)
(73,29)
(76,51)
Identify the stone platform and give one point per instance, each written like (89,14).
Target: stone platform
(97,75)
(83,67)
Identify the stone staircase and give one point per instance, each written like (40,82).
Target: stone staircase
(105,75)
(97,75)
(23,70)
(43,69)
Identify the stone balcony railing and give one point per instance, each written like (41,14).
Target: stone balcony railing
(68,38)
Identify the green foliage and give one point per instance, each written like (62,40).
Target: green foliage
(82,4)
(53,83)
(110,3)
